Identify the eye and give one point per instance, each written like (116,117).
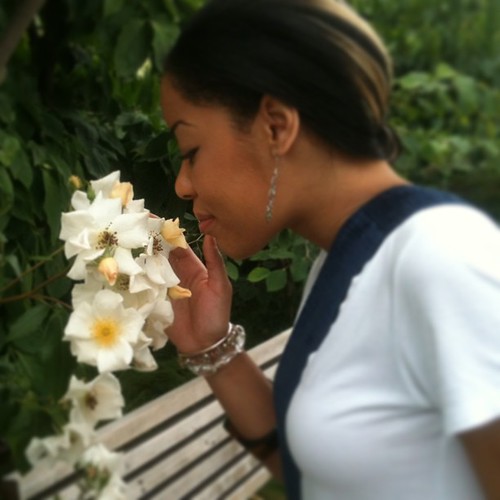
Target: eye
(189,156)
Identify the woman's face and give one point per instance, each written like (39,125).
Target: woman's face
(225,171)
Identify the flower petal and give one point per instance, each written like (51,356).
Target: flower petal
(126,262)
(131,229)
(104,185)
(118,358)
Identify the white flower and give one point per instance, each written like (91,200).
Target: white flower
(105,184)
(158,271)
(100,399)
(114,490)
(160,318)
(103,332)
(111,187)
(142,301)
(85,292)
(102,474)
(102,227)
(143,359)
(135,207)
(157,243)
(154,262)
(80,200)
(66,447)
(102,459)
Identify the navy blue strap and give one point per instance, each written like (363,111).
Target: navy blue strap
(357,241)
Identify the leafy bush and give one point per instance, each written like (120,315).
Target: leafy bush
(80,98)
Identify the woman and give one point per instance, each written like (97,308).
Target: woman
(390,385)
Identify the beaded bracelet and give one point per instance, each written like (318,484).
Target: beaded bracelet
(210,360)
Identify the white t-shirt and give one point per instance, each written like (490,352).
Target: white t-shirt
(412,359)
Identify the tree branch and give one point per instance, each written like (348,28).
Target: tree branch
(15,30)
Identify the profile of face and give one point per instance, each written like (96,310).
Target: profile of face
(329,75)
(225,171)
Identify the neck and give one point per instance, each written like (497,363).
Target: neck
(331,193)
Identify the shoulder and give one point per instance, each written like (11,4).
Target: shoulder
(446,278)
(443,238)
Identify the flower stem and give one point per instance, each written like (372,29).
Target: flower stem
(32,293)
(31,269)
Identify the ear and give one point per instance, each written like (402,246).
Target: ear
(281,124)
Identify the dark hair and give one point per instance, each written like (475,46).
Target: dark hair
(318,56)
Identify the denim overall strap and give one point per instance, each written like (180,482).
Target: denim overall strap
(355,244)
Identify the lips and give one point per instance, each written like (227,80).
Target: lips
(205,222)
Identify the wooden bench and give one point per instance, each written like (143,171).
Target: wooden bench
(174,448)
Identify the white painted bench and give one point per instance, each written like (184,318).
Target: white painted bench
(175,448)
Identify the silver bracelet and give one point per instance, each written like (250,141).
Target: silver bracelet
(210,360)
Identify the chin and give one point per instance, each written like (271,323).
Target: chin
(239,252)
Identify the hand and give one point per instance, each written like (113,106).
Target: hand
(202,319)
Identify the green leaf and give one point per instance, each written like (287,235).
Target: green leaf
(232,270)
(164,37)
(131,47)
(414,80)
(112,7)
(276,280)
(28,323)
(13,262)
(172,10)
(445,71)
(258,274)
(38,153)
(58,363)
(23,208)
(273,253)
(157,147)
(6,192)
(7,113)
(53,127)
(53,202)
(10,146)
(22,169)
(300,269)
(128,119)
(13,156)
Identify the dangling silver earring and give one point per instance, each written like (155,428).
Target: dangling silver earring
(271,195)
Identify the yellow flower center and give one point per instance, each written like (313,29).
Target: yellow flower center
(106,332)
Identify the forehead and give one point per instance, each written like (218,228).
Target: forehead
(179,110)
(173,103)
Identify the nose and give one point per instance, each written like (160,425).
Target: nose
(183,185)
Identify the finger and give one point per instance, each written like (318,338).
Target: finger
(214,260)
(185,263)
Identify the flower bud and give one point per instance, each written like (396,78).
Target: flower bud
(173,234)
(109,268)
(178,292)
(75,182)
(123,190)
